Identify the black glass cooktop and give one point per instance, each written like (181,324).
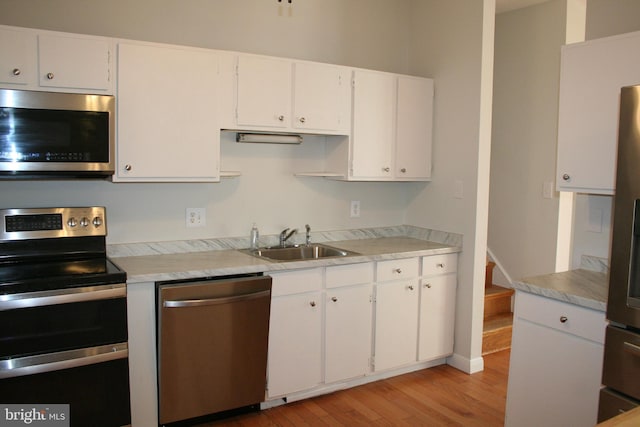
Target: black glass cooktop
(47,275)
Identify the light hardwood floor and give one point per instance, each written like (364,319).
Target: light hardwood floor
(440,396)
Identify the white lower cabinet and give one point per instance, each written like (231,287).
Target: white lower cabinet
(556,363)
(347,332)
(396,313)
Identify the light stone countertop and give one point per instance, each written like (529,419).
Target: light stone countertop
(581,287)
(153,268)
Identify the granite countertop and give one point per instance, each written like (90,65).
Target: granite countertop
(581,287)
(152,268)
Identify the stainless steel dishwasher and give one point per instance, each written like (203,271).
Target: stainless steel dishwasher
(212,345)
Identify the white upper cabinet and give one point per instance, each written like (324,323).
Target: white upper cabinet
(321,97)
(280,95)
(392,127)
(41,60)
(264,92)
(167,114)
(414,123)
(591,77)
(17,57)
(372,137)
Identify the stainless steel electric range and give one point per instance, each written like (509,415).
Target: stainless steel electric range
(63,315)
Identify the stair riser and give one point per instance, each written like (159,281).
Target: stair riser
(497,305)
(496,340)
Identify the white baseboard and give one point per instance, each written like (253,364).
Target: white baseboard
(464,364)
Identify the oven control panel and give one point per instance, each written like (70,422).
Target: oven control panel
(39,223)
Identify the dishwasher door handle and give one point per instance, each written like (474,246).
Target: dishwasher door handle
(215,301)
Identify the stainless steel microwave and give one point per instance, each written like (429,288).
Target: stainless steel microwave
(56,135)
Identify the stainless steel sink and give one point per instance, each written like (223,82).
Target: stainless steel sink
(299,253)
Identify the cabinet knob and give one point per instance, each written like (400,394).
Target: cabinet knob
(403,170)
(334,299)
(127,167)
(281,118)
(563,319)
(397,270)
(410,287)
(427,285)
(16,71)
(566,177)
(302,120)
(387,169)
(440,265)
(50,76)
(312,303)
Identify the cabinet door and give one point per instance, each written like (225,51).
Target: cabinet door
(372,138)
(414,128)
(167,126)
(264,92)
(554,378)
(348,332)
(396,331)
(17,57)
(437,316)
(591,76)
(295,342)
(321,97)
(74,62)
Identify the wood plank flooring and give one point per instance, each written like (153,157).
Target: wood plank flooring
(440,396)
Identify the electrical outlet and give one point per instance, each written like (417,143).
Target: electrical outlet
(196,217)
(355,209)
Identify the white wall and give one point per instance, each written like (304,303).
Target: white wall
(453,42)
(364,33)
(523,223)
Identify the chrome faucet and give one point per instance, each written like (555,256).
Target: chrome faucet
(284,236)
(308,237)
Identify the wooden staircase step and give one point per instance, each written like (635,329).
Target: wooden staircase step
(496,333)
(497,300)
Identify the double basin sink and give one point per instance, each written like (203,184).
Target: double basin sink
(299,253)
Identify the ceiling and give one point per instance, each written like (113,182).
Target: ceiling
(507,5)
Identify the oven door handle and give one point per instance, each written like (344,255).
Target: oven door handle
(632,349)
(41,363)
(62,296)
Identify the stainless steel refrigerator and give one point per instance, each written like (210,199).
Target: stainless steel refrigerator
(621,369)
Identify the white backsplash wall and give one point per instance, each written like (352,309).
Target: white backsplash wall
(267,193)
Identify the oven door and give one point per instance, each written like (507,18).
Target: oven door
(67,346)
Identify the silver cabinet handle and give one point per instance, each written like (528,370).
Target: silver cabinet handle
(427,285)
(387,169)
(631,348)
(403,170)
(334,299)
(64,296)
(281,118)
(215,301)
(440,265)
(410,287)
(563,319)
(62,360)
(312,303)
(566,177)
(16,71)
(302,120)
(397,270)
(128,167)
(50,76)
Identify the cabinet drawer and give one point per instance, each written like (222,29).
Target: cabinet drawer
(565,317)
(397,269)
(351,274)
(622,361)
(439,264)
(296,281)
